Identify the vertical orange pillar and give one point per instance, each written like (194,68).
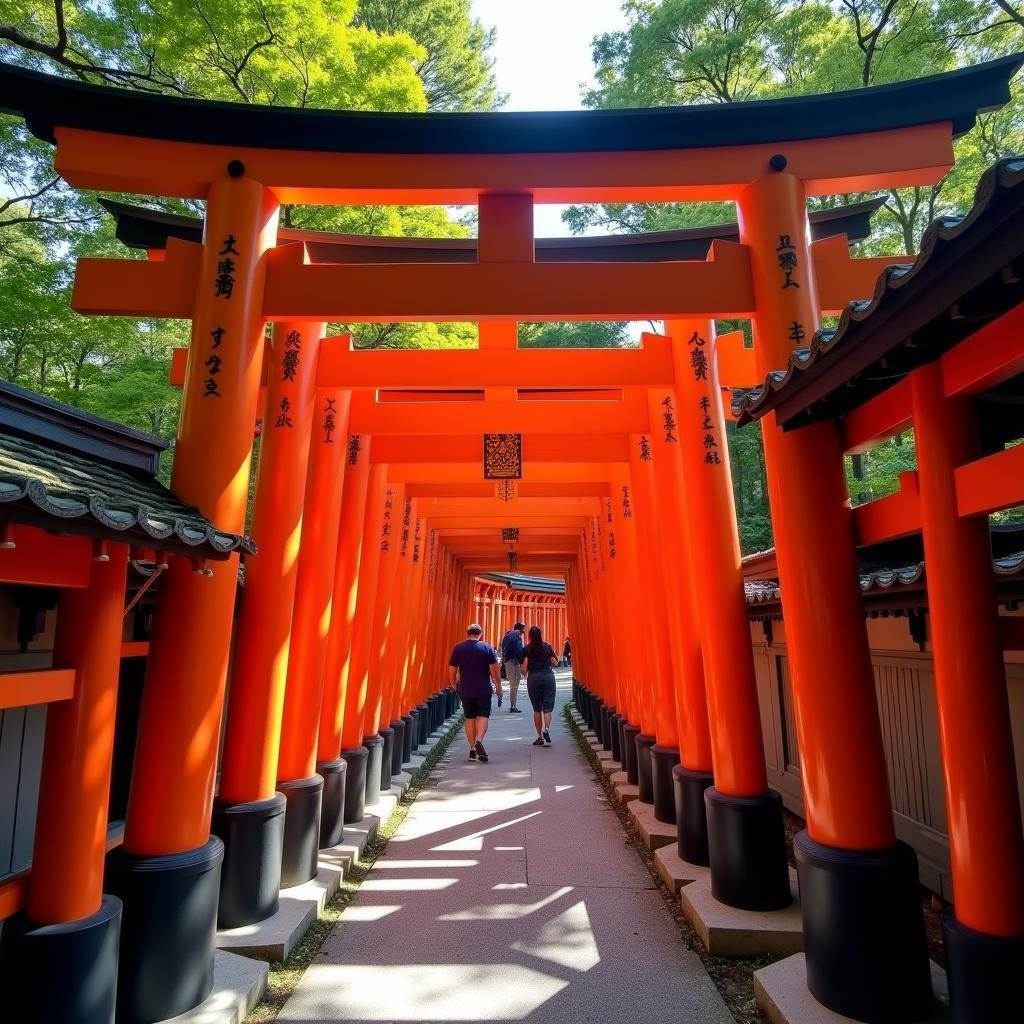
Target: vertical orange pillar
(335,741)
(742,830)
(411,650)
(694,736)
(310,788)
(622,597)
(249,815)
(863,933)
(69,931)
(984,930)
(382,616)
(658,711)
(168,858)
(638,634)
(396,640)
(359,699)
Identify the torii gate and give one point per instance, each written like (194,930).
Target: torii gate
(694,696)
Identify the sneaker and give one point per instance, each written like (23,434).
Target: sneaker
(472,753)
(515,711)
(480,752)
(499,700)
(538,742)
(547,737)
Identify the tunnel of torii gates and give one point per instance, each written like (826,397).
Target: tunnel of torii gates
(375,511)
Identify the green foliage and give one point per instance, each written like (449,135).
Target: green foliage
(725,51)
(580,334)
(391,55)
(875,473)
(456,72)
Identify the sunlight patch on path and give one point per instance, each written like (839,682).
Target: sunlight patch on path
(427,992)
(567,940)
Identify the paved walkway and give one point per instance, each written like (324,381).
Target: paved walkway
(508,894)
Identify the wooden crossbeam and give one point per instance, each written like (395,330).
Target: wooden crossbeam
(384,293)
(626,416)
(397,449)
(849,163)
(37,686)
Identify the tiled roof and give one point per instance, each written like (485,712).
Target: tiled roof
(517,581)
(143,228)
(766,591)
(857,370)
(39,482)
(49,102)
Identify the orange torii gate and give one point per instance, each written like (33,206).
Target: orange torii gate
(341,630)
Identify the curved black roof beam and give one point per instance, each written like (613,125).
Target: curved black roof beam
(141,228)
(47,102)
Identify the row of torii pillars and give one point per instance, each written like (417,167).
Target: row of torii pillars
(312,691)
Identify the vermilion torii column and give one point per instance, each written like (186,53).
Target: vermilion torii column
(356,719)
(642,635)
(308,786)
(60,955)
(249,813)
(659,706)
(410,649)
(746,835)
(398,639)
(693,737)
(387,567)
(984,929)
(863,933)
(630,591)
(395,640)
(331,745)
(168,860)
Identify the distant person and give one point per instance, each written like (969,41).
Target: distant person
(567,653)
(475,662)
(539,661)
(511,656)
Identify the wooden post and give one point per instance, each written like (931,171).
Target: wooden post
(985,928)
(250,814)
(168,859)
(853,876)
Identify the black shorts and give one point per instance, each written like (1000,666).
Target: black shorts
(541,689)
(476,707)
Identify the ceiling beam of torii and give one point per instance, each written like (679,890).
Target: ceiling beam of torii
(516,509)
(398,449)
(486,291)
(469,473)
(486,489)
(627,414)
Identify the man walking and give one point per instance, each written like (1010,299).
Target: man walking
(475,662)
(512,655)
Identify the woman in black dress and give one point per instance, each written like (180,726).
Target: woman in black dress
(539,660)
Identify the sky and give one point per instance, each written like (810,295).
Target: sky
(542,60)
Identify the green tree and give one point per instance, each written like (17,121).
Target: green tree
(456,71)
(574,334)
(340,54)
(725,51)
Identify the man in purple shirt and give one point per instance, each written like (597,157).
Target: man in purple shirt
(476,664)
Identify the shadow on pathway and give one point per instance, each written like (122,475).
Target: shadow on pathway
(509,893)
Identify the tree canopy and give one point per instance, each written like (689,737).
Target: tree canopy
(386,55)
(729,51)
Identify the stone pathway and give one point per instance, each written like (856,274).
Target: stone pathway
(508,894)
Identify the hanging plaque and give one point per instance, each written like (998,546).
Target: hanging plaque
(503,456)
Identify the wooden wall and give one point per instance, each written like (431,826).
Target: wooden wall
(21,744)
(905,687)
